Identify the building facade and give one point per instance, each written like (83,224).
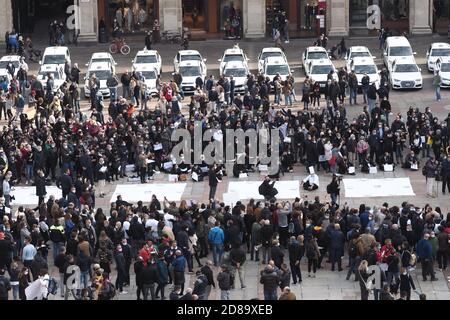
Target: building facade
(243,18)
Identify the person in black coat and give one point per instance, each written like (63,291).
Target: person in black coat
(267,190)
(337,240)
(277,254)
(406,283)
(148,41)
(213,178)
(40,186)
(138,267)
(149,276)
(65,183)
(295,255)
(120,265)
(207,271)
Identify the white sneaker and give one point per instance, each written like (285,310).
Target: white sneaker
(123,292)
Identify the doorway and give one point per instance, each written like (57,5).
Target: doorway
(194,14)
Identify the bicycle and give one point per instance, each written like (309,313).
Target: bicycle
(119,45)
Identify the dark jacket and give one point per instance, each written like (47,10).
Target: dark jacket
(237,255)
(149,274)
(269,280)
(224,280)
(206,270)
(40,186)
(277,255)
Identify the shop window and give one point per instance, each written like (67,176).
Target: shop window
(276,14)
(194,14)
(308,10)
(395,10)
(230,18)
(133,15)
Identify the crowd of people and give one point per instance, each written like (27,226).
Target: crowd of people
(82,151)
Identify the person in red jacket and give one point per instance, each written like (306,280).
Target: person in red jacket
(387,250)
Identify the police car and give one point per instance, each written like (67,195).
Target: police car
(150,58)
(57,72)
(239,71)
(436,50)
(235,54)
(405,74)
(190,71)
(318,71)
(187,55)
(5,60)
(442,66)
(102,71)
(102,57)
(56,55)
(269,52)
(311,54)
(365,65)
(150,74)
(274,66)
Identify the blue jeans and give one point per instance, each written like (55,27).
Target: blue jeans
(371,104)
(364,91)
(15,291)
(56,249)
(353,95)
(287,100)
(438,93)
(217,253)
(84,279)
(277,98)
(112,94)
(270,295)
(333,197)
(29,172)
(23,84)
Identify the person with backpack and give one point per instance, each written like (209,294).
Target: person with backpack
(107,289)
(5,285)
(355,252)
(312,253)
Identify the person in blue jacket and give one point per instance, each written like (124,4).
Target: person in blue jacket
(216,237)
(425,253)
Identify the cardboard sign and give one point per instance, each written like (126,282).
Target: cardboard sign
(373,170)
(351,170)
(388,167)
(157,147)
(168,165)
(243,176)
(194,176)
(173,177)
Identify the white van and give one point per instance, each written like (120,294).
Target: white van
(396,48)
(56,55)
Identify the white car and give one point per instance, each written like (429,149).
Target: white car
(276,66)
(187,55)
(318,71)
(150,58)
(311,54)
(5,60)
(405,74)
(396,48)
(436,50)
(269,52)
(58,76)
(235,54)
(357,52)
(150,74)
(102,57)
(442,65)
(190,71)
(239,71)
(102,71)
(365,65)
(56,55)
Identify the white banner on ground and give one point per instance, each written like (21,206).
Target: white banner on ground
(387,187)
(27,195)
(136,192)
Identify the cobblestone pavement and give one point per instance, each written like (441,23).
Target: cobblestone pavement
(327,285)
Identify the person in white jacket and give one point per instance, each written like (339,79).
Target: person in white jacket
(311,182)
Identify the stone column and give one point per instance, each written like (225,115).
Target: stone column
(419,17)
(87,20)
(6,16)
(338,18)
(171,16)
(254,16)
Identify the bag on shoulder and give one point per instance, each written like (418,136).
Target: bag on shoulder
(329,188)
(352,252)
(413,260)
